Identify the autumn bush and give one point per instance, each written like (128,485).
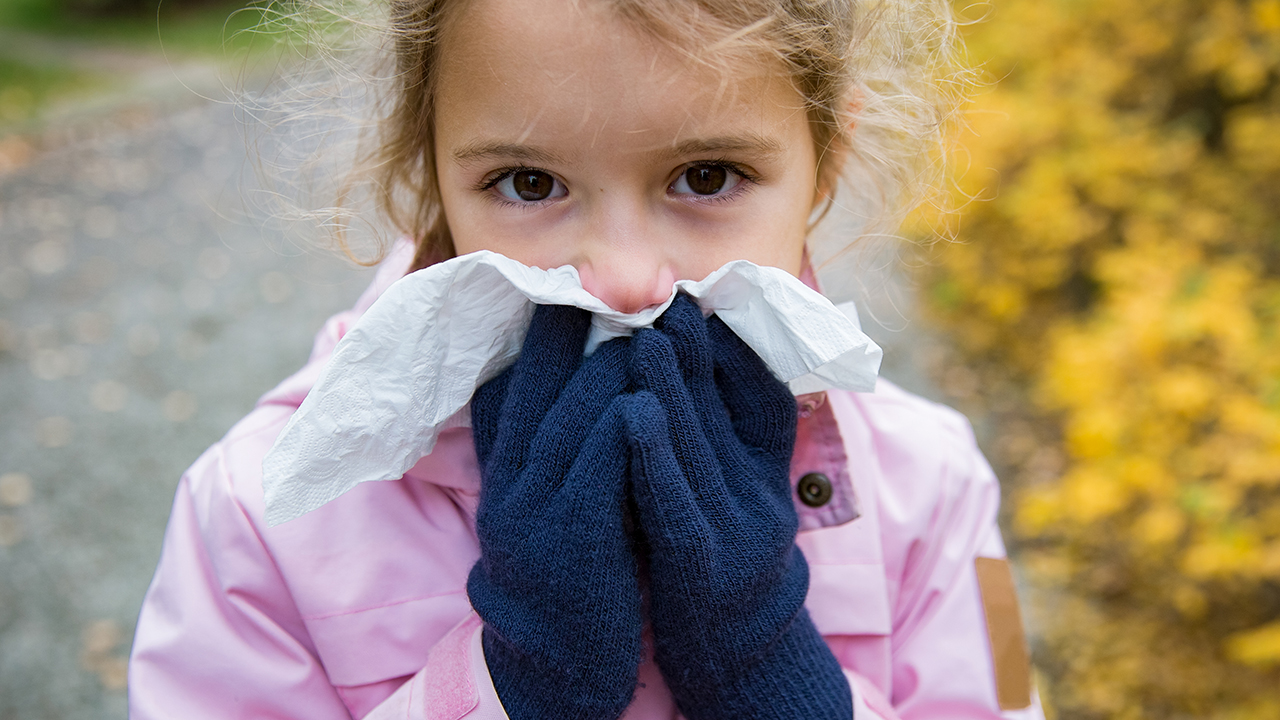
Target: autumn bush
(1114,289)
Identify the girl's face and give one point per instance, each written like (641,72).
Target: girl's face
(565,135)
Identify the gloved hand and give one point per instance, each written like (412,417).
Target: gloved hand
(556,581)
(711,432)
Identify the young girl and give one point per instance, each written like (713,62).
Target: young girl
(659,529)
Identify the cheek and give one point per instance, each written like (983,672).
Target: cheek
(772,234)
(783,247)
(775,231)
(476,224)
(766,241)
(469,223)
(473,228)
(460,216)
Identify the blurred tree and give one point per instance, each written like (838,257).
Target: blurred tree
(110,7)
(1117,285)
(132,7)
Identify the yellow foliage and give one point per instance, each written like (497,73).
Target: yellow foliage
(1119,279)
(1091,494)
(1259,646)
(1160,525)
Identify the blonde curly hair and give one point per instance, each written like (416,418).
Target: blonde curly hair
(879,78)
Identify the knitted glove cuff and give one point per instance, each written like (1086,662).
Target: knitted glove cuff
(797,677)
(529,692)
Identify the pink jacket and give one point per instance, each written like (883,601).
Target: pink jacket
(359,609)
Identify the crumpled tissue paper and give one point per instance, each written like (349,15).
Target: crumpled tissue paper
(407,369)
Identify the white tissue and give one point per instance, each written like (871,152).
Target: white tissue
(414,359)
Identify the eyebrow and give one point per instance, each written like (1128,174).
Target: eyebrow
(471,152)
(750,143)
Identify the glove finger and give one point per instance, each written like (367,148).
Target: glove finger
(685,326)
(572,420)
(668,508)
(574,566)
(534,539)
(595,485)
(654,367)
(550,356)
(687,330)
(761,407)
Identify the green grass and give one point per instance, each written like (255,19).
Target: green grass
(219,31)
(25,90)
(209,28)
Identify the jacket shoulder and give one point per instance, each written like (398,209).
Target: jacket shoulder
(227,477)
(930,479)
(919,443)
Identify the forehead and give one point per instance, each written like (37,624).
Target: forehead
(575,68)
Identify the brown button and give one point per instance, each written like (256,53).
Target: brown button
(814,489)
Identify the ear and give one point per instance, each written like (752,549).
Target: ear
(838,148)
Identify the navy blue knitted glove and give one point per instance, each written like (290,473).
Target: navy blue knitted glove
(712,431)
(556,581)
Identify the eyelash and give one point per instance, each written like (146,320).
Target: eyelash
(749,178)
(491,181)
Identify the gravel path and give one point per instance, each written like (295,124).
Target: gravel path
(143,309)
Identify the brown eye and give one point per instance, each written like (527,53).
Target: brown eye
(533,185)
(706,179)
(530,186)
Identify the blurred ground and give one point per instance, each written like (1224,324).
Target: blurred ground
(144,306)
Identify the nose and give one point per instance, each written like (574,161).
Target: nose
(627,280)
(622,262)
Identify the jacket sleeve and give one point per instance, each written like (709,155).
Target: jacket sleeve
(937,521)
(869,703)
(220,637)
(454,684)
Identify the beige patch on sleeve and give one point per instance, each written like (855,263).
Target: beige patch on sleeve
(1004,627)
